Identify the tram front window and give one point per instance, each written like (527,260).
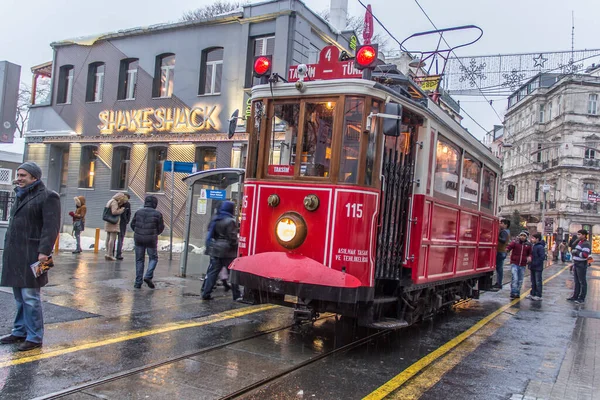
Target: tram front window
(317,138)
(353,117)
(284,137)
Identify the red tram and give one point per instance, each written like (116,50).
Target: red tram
(363,197)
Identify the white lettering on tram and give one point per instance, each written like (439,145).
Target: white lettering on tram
(352,255)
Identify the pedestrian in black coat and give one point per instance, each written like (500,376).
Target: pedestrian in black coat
(147,224)
(32,231)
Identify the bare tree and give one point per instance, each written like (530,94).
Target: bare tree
(216,8)
(24,101)
(358,25)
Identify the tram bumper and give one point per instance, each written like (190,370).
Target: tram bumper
(281,273)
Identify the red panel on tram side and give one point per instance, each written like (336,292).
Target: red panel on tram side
(486,258)
(291,199)
(466,259)
(487,231)
(468,227)
(444,227)
(354,233)
(453,240)
(441,261)
(248,202)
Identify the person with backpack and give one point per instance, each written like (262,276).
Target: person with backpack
(146,224)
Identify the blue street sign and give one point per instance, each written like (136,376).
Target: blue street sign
(216,194)
(180,166)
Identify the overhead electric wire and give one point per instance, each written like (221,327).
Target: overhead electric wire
(405,50)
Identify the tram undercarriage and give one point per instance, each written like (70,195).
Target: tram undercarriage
(408,306)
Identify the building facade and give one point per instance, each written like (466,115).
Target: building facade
(122,103)
(551,170)
(494,140)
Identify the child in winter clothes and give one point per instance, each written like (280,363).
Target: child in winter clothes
(520,255)
(538,255)
(78,220)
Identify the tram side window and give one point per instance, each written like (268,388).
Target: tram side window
(317,138)
(353,117)
(447,165)
(284,137)
(469,194)
(372,145)
(488,190)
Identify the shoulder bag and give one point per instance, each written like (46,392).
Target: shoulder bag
(108,216)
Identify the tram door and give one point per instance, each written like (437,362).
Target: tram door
(396,184)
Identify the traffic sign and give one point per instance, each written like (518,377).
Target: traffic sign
(180,166)
(216,194)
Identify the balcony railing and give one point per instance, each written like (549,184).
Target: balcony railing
(555,162)
(591,163)
(589,206)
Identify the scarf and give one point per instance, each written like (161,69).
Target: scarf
(23,191)
(211,227)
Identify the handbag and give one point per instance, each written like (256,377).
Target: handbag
(109,217)
(78,225)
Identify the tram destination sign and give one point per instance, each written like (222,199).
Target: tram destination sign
(328,67)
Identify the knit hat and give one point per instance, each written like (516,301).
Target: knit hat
(32,168)
(524,233)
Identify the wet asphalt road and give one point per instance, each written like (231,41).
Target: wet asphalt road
(100,326)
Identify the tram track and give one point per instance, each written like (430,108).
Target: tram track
(148,367)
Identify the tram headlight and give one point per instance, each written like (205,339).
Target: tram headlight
(290,230)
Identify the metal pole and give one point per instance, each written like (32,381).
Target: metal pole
(172,195)
(544,209)
(186,235)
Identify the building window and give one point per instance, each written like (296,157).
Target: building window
(95,82)
(65,85)
(587,187)
(127,79)
(120,170)
(87,167)
(206,158)
(593,104)
(447,167)
(549,111)
(164,74)
(559,110)
(211,71)
(590,154)
(541,117)
(263,46)
(537,191)
(5,176)
(154,175)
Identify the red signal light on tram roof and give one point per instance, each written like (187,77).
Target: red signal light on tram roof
(262,66)
(366,56)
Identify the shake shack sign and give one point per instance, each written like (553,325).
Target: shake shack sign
(162,119)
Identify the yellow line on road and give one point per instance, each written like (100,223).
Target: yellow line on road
(211,319)
(400,379)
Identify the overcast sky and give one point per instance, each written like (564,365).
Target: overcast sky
(510,26)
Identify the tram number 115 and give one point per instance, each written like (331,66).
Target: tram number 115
(354,210)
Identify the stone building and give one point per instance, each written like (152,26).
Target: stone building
(122,103)
(552,155)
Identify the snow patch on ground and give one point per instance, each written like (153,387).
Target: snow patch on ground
(68,243)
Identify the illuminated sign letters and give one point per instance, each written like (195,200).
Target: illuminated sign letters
(147,120)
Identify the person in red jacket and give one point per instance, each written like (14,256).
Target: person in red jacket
(520,255)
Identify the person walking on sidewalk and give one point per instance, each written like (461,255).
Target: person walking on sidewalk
(32,231)
(503,239)
(580,253)
(562,248)
(78,221)
(222,243)
(116,208)
(147,224)
(538,255)
(124,221)
(520,250)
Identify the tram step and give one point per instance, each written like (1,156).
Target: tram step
(388,323)
(385,300)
